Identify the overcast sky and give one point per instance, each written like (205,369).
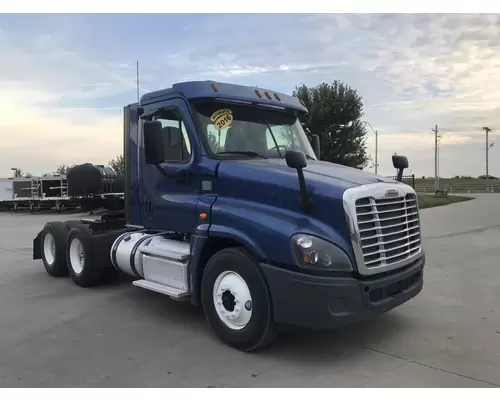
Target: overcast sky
(64,79)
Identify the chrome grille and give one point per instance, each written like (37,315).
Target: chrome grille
(388,228)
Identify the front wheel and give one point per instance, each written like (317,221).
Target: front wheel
(236,300)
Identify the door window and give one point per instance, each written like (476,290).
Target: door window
(177,144)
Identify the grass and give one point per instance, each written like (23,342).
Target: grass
(428,200)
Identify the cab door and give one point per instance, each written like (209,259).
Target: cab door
(170,191)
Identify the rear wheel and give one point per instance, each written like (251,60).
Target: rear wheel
(72,223)
(236,300)
(53,243)
(81,257)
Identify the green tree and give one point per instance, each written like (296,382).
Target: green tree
(28,175)
(117,164)
(17,173)
(62,169)
(335,113)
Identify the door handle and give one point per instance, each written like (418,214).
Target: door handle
(147,205)
(181,176)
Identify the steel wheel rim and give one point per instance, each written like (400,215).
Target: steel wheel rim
(232,300)
(76,256)
(49,248)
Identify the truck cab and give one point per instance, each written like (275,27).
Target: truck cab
(228,206)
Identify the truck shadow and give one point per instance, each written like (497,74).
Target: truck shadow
(305,345)
(294,345)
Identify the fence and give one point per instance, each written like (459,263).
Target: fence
(408,179)
(458,185)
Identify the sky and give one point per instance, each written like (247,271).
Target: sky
(64,79)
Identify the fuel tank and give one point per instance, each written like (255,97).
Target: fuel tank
(89,179)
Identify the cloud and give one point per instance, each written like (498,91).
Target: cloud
(62,84)
(38,141)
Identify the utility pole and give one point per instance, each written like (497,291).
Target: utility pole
(439,161)
(488,130)
(436,177)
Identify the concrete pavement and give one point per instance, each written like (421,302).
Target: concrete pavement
(53,333)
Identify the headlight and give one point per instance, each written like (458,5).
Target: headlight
(313,252)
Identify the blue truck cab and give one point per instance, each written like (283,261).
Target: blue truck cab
(227,206)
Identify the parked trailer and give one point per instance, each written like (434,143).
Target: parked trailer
(82,189)
(251,225)
(6,193)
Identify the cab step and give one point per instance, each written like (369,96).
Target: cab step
(174,293)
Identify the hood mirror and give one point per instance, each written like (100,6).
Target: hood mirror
(297,160)
(400,163)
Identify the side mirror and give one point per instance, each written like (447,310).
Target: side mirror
(399,162)
(296,159)
(315,145)
(154,143)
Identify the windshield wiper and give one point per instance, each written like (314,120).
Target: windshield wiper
(309,157)
(274,139)
(246,153)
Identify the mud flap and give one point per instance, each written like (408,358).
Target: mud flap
(37,253)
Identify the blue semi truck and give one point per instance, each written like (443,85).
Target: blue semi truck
(228,206)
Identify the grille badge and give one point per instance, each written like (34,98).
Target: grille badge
(391,193)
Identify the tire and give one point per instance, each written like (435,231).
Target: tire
(235,269)
(85,272)
(53,246)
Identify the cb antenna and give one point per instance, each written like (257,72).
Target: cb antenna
(138,97)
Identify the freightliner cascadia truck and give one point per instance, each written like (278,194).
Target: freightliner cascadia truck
(228,207)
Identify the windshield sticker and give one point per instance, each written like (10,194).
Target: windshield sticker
(222,118)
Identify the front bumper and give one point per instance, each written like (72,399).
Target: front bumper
(326,303)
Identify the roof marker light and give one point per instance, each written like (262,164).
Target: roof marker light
(302,102)
(268,95)
(257,93)
(277,96)
(214,88)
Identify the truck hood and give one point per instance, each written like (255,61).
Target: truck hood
(265,192)
(318,174)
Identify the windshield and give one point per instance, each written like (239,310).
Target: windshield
(234,130)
